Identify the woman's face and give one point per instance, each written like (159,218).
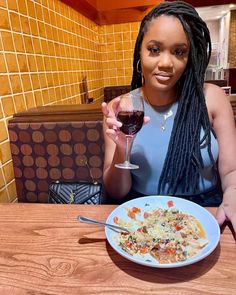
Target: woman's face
(164,53)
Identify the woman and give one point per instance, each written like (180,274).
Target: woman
(189,135)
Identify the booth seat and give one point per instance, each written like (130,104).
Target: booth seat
(48,144)
(111,92)
(220,83)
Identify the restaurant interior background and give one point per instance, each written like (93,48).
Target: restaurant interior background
(51,50)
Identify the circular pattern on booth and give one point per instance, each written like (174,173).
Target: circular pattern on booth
(52,149)
(37,136)
(24,136)
(50,136)
(42,153)
(28,161)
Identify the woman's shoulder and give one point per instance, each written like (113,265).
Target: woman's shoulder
(212,89)
(214,95)
(217,101)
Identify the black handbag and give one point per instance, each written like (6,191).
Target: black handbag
(77,192)
(80,192)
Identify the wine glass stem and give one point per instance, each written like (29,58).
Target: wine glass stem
(128,148)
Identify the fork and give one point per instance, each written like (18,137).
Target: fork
(96,222)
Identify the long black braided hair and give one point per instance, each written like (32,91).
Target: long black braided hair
(183,160)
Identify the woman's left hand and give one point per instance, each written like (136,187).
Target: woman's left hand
(227,209)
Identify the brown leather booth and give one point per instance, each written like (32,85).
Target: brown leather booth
(53,143)
(220,83)
(114,91)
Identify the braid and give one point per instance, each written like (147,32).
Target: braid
(184,154)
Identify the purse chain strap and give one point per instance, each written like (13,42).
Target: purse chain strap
(85,163)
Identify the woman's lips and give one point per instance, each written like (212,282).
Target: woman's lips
(163,77)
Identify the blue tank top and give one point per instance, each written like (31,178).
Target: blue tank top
(150,148)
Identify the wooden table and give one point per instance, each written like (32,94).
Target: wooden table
(44,250)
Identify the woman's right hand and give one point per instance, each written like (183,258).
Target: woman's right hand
(117,182)
(112,124)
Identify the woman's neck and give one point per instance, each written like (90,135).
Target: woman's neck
(159,99)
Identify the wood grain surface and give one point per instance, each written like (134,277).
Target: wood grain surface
(44,250)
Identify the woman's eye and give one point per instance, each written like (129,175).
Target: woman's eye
(179,52)
(154,50)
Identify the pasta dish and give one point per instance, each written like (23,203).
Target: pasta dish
(168,235)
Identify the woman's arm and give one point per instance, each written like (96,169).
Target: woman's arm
(221,114)
(117,182)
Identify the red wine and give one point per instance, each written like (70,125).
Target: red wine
(132,121)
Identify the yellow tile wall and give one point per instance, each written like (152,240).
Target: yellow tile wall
(117,43)
(46,49)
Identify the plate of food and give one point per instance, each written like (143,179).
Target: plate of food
(164,232)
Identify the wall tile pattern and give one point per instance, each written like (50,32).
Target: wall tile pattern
(46,49)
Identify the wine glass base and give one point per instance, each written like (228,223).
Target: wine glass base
(126,165)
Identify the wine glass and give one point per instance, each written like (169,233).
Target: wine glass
(130,113)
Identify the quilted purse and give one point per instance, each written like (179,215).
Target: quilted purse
(78,192)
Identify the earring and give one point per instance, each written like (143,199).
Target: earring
(137,67)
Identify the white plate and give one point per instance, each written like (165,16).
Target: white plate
(149,203)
